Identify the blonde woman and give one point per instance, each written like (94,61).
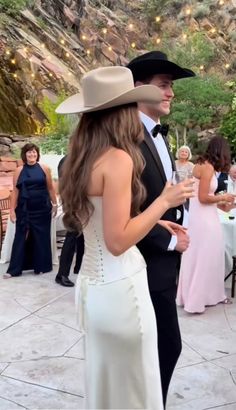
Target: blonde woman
(101,193)
(183,162)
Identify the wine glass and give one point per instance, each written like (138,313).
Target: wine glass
(179,176)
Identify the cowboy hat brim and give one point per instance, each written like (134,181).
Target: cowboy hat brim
(144,68)
(143,93)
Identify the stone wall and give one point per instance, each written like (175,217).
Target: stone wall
(7,167)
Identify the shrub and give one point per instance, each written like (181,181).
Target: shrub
(13,6)
(57,128)
(201,11)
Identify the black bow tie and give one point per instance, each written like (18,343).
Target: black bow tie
(160,129)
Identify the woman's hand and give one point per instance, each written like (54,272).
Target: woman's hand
(12,216)
(172,227)
(228,198)
(177,194)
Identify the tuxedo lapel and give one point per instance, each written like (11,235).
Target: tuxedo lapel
(149,142)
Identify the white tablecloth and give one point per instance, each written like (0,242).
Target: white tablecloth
(56,225)
(229,229)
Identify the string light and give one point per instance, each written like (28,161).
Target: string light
(110,48)
(8,52)
(188,11)
(104,30)
(158,40)
(131,26)
(213,30)
(133,45)
(201,67)
(62,41)
(13,61)
(50,74)
(25,49)
(158,19)
(88,52)
(184,36)
(227,65)
(83,37)
(67,54)
(15,75)
(221,2)
(32,75)
(43,45)
(69,74)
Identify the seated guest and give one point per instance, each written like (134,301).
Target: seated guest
(231,185)
(183,162)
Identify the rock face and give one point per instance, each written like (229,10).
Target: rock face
(49,46)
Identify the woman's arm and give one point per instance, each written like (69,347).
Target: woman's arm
(50,188)
(120,230)
(205,175)
(14,194)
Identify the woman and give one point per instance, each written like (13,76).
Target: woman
(101,193)
(201,280)
(183,162)
(33,201)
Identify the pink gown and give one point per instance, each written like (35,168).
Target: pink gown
(201,280)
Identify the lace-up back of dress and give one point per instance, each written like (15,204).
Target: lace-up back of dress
(98,263)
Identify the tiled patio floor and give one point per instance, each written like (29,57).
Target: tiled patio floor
(41,352)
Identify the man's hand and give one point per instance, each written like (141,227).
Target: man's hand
(182,241)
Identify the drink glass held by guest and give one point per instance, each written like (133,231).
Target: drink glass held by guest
(33,203)
(101,193)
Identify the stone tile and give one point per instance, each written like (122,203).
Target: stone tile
(11,311)
(230,314)
(197,388)
(34,397)
(229,363)
(210,341)
(63,373)
(56,313)
(23,290)
(3,366)
(77,351)
(9,405)
(36,338)
(231,406)
(188,357)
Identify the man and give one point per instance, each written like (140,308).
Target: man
(72,243)
(160,250)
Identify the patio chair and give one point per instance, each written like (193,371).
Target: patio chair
(4,213)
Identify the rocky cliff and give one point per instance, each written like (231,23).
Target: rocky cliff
(46,48)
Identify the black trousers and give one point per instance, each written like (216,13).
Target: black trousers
(169,338)
(72,243)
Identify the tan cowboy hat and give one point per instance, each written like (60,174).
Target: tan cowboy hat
(108,87)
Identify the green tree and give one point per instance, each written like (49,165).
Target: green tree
(199,102)
(57,128)
(228,124)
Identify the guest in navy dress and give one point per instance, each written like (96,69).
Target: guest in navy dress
(33,202)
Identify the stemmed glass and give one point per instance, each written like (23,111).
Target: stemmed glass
(179,176)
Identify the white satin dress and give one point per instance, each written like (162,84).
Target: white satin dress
(117,317)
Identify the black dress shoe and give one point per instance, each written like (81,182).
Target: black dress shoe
(63,281)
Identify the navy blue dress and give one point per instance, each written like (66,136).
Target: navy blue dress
(32,243)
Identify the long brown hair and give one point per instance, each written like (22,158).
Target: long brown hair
(118,127)
(217,154)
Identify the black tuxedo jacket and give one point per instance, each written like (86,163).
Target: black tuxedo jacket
(162,265)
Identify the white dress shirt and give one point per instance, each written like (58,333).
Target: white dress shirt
(162,150)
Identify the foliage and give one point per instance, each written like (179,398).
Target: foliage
(57,128)
(13,6)
(201,11)
(199,101)
(196,50)
(228,124)
(153,7)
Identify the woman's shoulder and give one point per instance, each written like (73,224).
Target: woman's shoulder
(115,158)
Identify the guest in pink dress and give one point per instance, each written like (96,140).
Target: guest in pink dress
(201,280)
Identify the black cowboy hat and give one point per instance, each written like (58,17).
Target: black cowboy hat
(156,62)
